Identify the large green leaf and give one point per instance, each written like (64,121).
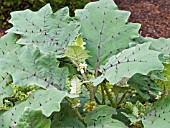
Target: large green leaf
(162,44)
(144,86)
(163,78)
(33,119)
(166,71)
(46,30)
(105,29)
(137,59)
(158,116)
(101,118)
(98,118)
(7,44)
(28,67)
(163,84)
(102,110)
(5,89)
(106,122)
(47,101)
(66,118)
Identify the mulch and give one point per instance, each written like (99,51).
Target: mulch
(154,15)
(1,32)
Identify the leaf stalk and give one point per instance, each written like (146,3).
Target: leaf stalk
(109,96)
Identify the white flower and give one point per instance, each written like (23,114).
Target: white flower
(82,67)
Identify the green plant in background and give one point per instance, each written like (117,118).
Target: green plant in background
(8,6)
(20,94)
(91,70)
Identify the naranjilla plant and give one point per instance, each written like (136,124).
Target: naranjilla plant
(93,70)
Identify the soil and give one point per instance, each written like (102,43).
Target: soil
(1,32)
(154,15)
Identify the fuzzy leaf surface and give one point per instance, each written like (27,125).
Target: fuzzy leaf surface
(105,30)
(138,59)
(66,118)
(161,44)
(101,118)
(144,86)
(33,119)
(106,122)
(79,42)
(163,78)
(50,32)
(7,45)
(30,67)
(5,89)
(159,115)
(47,101)
(102,110)
(77,54)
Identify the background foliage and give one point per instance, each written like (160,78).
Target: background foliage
(8,6)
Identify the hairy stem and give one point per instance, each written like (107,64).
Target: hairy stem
(109,96)
(91,93)
(122,98)
(97,101)
(76,111)
(116,99)
(103,95)
(79,115)
(90,88)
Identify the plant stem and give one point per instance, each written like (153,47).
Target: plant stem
(68,100)
(116,99)
(103,95)
(109,96)
(96,72)
(90,88)
(122,98)
(97,101)
(76,111)
(79,116)
(92,95)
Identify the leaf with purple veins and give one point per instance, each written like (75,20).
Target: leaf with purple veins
(30,67)
(138,59)
(50,32)
(106,30)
